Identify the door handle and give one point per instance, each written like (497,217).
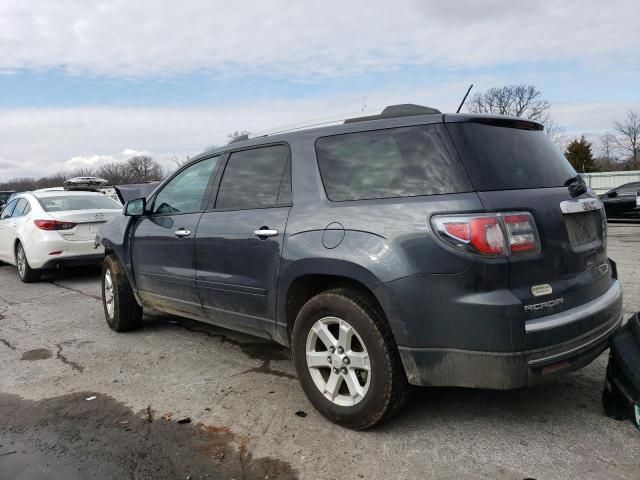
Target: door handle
(265,232)
(182,233)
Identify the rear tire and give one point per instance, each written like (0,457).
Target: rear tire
(339,389)
(121,310)
(25,272)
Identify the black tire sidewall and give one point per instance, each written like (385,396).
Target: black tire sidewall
(376,400)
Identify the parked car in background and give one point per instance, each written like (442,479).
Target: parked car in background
(47,229)
(622,201)
(4,197)
(411,247)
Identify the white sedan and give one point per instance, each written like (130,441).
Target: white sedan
(47,229)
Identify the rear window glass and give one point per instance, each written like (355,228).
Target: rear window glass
(502,158)
(398,162)
(78,202)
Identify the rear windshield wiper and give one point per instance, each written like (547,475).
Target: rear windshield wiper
(576,186)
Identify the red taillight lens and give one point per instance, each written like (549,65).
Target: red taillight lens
(458,230)
(489,234)
(54,225)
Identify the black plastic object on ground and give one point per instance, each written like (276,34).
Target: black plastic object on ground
(621,396)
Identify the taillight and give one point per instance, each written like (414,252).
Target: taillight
(521,232)
(54,225)
(494,234)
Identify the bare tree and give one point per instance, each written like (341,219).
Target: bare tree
(628,139)
(116,173)
(54,180)
(607,152)
(520,100)
(142,168)
(21,184)
(235,135)
(555,132)
(83,172)
(178,161)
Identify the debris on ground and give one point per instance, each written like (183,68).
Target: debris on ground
(184,420)
(167,416)
(92,397)
(301,414)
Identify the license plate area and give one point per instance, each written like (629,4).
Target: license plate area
(584,219)
(584,230)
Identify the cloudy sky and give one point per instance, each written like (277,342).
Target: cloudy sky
(85,82)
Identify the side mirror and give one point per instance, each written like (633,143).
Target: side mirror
(135,208)
(612,194)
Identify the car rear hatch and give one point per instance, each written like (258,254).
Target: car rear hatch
(515,168)
(83,224)
(76,216)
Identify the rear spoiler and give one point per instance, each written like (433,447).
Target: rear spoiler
(495,120)
(134,190)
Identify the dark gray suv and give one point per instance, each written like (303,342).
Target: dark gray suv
(412,247)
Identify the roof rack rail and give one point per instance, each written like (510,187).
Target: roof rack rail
(240,138)
(392,111)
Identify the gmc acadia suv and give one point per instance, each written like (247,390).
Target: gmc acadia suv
(411,247)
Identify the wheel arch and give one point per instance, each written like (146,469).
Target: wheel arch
(307,278)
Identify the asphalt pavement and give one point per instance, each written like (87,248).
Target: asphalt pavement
(179,399)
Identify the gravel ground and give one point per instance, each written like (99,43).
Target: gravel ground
(247,411)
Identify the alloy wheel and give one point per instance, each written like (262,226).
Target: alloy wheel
(338,361)
(21,260)
(108,293)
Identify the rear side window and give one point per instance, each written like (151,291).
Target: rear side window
(61,203)
(22,208)
(252,178)
(398,162)
(629,189)
(503,158)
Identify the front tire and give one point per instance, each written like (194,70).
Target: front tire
(25,272)
(347,360)
(121,309)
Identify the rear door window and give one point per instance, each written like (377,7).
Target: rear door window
(398,162)
(253,179)
(505,158)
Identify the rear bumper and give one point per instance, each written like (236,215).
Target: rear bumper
(74,261)
(506,370)
(53,250)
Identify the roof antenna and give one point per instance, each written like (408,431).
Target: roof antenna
(465,97)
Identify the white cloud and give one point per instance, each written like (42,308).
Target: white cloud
(308,39)
(131,152)
(88,161)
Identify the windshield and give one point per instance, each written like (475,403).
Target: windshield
(503,158)
(61,203)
